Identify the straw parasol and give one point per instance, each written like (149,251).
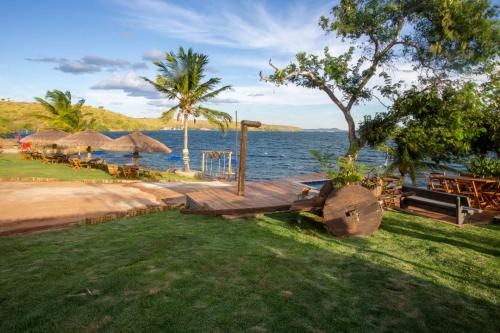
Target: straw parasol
(87,138)
(45,137)
(137,142)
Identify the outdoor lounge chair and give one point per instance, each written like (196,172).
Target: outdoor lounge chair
(113,170)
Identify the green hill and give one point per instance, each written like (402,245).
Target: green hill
(19,116)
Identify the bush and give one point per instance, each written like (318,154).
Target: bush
(483,166)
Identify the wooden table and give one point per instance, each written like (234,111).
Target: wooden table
(484,192)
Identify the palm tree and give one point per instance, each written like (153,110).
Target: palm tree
(407,160)
(180,78)
(62,114)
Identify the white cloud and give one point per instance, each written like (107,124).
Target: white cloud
(130,83)
(89,64)
(119,101)
(153,55)
(247,26)
(267,94)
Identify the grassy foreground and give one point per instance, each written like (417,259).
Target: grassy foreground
(280,273)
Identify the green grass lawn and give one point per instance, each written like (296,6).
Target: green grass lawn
(13,166)
(280,273)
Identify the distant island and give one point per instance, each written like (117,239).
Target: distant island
(330,130)
(17,115)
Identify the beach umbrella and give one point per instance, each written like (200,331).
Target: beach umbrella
(45,137)
(88,138)
(136,142)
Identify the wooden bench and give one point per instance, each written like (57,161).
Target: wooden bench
(458,206)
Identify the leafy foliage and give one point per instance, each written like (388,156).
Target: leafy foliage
(441,36)
(180,78)
(444,122)
(62,113)
(483,166)
(345,172)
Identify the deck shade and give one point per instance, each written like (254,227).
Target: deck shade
(138,143)
(45,137)
(85,138)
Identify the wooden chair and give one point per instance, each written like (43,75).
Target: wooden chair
(96,163)
(469,189)
(113,170)
(148,173)
(491,196)
(76,163)
(438,183)
(130,171)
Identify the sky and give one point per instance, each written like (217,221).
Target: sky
(100,49)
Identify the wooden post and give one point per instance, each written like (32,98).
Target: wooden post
(203,163)
(243,153)
(230,165)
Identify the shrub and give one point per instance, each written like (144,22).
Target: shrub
(483,166)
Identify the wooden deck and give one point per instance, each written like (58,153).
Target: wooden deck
(260,197)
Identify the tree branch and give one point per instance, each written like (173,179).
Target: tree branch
(375,62)
(309,75)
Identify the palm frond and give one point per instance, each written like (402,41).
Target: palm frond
(169,114)
(214,93)
(219,118)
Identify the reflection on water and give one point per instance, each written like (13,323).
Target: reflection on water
(270,155)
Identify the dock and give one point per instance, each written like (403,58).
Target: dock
(259,197)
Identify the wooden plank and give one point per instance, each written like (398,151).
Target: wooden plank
(267,196)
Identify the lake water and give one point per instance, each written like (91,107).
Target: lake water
(270,155)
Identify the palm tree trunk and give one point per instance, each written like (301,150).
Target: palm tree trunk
(185,151)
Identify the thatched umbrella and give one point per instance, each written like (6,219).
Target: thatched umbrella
(45,137)
(137,142)
(88,138)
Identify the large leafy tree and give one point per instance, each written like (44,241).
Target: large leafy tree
(440,37)
(62,113)
(181,78)
(444,122)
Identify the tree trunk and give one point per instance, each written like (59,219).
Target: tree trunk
(185,151)
(353,139)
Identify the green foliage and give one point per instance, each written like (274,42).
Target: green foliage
(442,36)
(181,78)
(444,122)
(62,114)
(483,166)
(345,171)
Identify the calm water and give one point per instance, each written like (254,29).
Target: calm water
(270,155)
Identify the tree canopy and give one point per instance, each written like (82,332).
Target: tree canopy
(62,113)
(441,37)
(181,78)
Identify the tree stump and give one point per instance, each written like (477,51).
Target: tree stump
(352,211)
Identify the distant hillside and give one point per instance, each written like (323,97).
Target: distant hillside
(330,130)
(19,116)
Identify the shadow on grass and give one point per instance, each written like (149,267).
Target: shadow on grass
(173,272)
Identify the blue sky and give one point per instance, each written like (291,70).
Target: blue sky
(99,49)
